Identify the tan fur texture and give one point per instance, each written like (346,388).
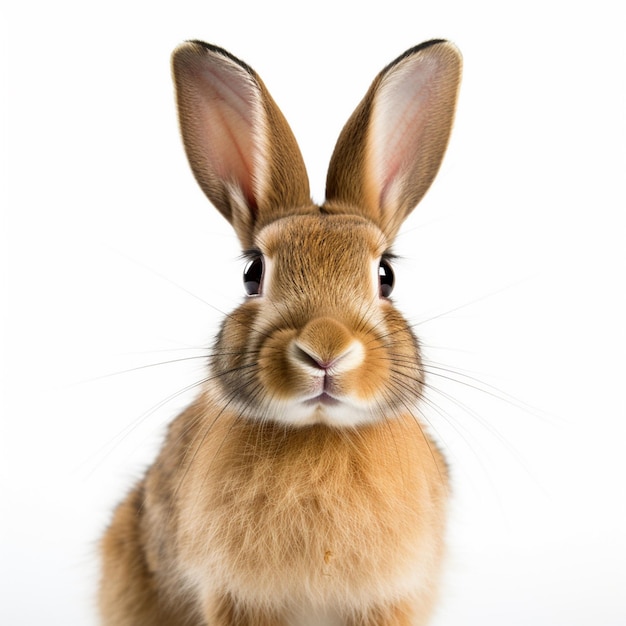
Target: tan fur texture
(300,487)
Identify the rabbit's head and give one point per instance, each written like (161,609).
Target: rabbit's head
(317,339)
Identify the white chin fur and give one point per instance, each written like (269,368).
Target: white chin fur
(341,414)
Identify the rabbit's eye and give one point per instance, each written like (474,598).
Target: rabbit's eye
(253,276)
(385,278)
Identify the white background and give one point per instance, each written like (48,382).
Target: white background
(513,274)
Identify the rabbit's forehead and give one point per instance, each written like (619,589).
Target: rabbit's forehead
(340,238)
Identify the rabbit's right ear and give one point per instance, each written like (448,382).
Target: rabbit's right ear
(391,148)
(240,148)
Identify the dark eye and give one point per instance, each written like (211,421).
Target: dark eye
(385,278)
(253,276)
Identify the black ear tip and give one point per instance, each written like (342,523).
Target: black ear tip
(429,43)
(425,45)
(197,46)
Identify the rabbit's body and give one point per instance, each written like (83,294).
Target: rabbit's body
(291,522)
(300,488)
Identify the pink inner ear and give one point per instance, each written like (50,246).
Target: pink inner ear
(398,127)
(227,123)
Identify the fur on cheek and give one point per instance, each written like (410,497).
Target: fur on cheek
(278,376)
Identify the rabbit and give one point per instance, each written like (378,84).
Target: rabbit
(301,487)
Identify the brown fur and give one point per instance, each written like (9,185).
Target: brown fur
(301,481)
(277,510)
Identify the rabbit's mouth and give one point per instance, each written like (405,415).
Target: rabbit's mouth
(329,410)
(325,399)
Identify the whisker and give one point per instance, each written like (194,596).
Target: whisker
(490,428)
(189,457)
(457,426)
(480,385)
(112,444)
(469,303)
(144,367)
(408,407)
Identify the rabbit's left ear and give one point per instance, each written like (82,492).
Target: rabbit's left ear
(391,148)
(240,147)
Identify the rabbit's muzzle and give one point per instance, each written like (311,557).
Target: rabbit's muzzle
(326,347)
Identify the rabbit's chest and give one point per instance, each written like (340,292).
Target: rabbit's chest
(313,529)
(293,523)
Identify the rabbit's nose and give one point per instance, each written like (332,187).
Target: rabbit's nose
(326,346)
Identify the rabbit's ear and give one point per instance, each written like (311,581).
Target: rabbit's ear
(241,150)
(392,146)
